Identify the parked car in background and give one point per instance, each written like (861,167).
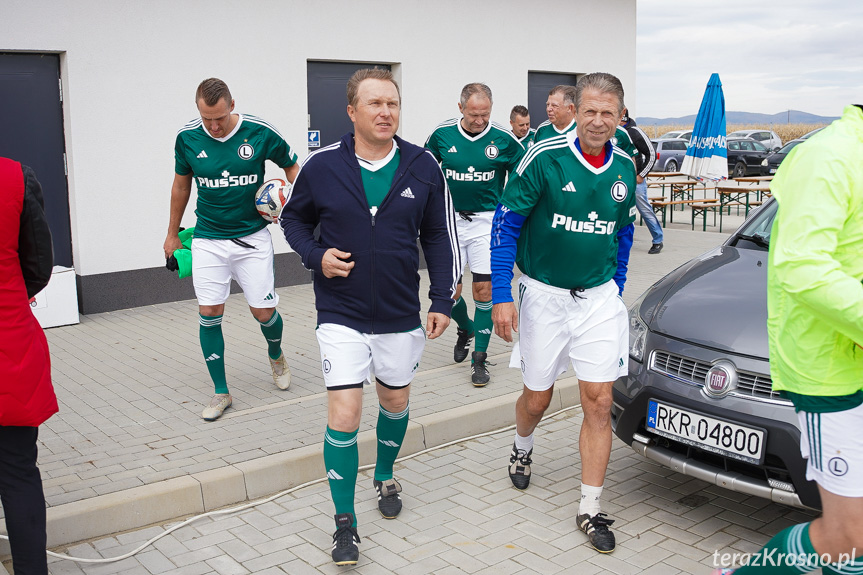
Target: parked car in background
(771,163)
(669,154)
(685,134)
(745,156)
(698,398)
(768,138)
(810,134)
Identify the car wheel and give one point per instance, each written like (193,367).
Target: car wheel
(739,170)
(671,166)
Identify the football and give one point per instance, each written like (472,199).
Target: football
(271,197)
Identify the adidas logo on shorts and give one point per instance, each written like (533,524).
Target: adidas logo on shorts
(408,193)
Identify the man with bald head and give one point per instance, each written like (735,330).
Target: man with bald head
(475,155)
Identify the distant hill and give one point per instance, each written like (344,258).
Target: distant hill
(787,117)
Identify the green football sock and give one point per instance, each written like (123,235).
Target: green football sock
(272,330)
(459,314)
(213,346)
(482,322)
(391,431)
(774,557)
(342,460)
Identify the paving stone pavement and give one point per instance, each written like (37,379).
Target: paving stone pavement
(131,385)
(462,515)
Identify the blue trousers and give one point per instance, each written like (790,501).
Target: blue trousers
(647,213)
(23,499)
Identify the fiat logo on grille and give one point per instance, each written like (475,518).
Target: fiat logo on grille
(720,379)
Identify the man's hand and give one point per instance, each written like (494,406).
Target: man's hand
(436,324)
(505,318)
(333,264)
(172,242)
(638,179)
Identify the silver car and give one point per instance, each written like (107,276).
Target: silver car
(684,134)
(698,398)
(669,154)
(768,138)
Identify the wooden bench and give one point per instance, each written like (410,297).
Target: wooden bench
(701,209)
(683,190)
(650,199)
(660,206)
(746,205)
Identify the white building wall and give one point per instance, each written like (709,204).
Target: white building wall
(130,69)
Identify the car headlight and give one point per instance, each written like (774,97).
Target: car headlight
(637,331)
(764,162)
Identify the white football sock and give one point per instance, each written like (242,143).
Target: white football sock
(524,443)
(589,500)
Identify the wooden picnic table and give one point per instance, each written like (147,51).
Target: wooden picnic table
(659,206)
(663,175)
(739,195)
(680,189)
(757,183)
(700,209)
(754,179)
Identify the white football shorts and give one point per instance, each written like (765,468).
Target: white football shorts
(589,329)
(216,262)
(349,357)
(474,240)
(835,456)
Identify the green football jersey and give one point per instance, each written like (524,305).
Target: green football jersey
(228,171)
(475,167)
(573,210)
(527,141)
(546,130)
(621,138)
(378,176)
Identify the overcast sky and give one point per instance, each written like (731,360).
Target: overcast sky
(770,55)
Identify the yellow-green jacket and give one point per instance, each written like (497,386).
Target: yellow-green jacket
(815,264)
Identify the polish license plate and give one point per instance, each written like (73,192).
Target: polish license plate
(708,433)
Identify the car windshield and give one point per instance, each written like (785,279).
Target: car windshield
(787,147)
(757,229)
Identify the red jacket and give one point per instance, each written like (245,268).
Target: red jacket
(26,394)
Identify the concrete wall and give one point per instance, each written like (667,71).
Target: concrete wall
(129,71)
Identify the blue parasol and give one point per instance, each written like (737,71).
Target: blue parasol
(707,155)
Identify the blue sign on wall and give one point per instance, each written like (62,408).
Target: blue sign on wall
(314,138)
